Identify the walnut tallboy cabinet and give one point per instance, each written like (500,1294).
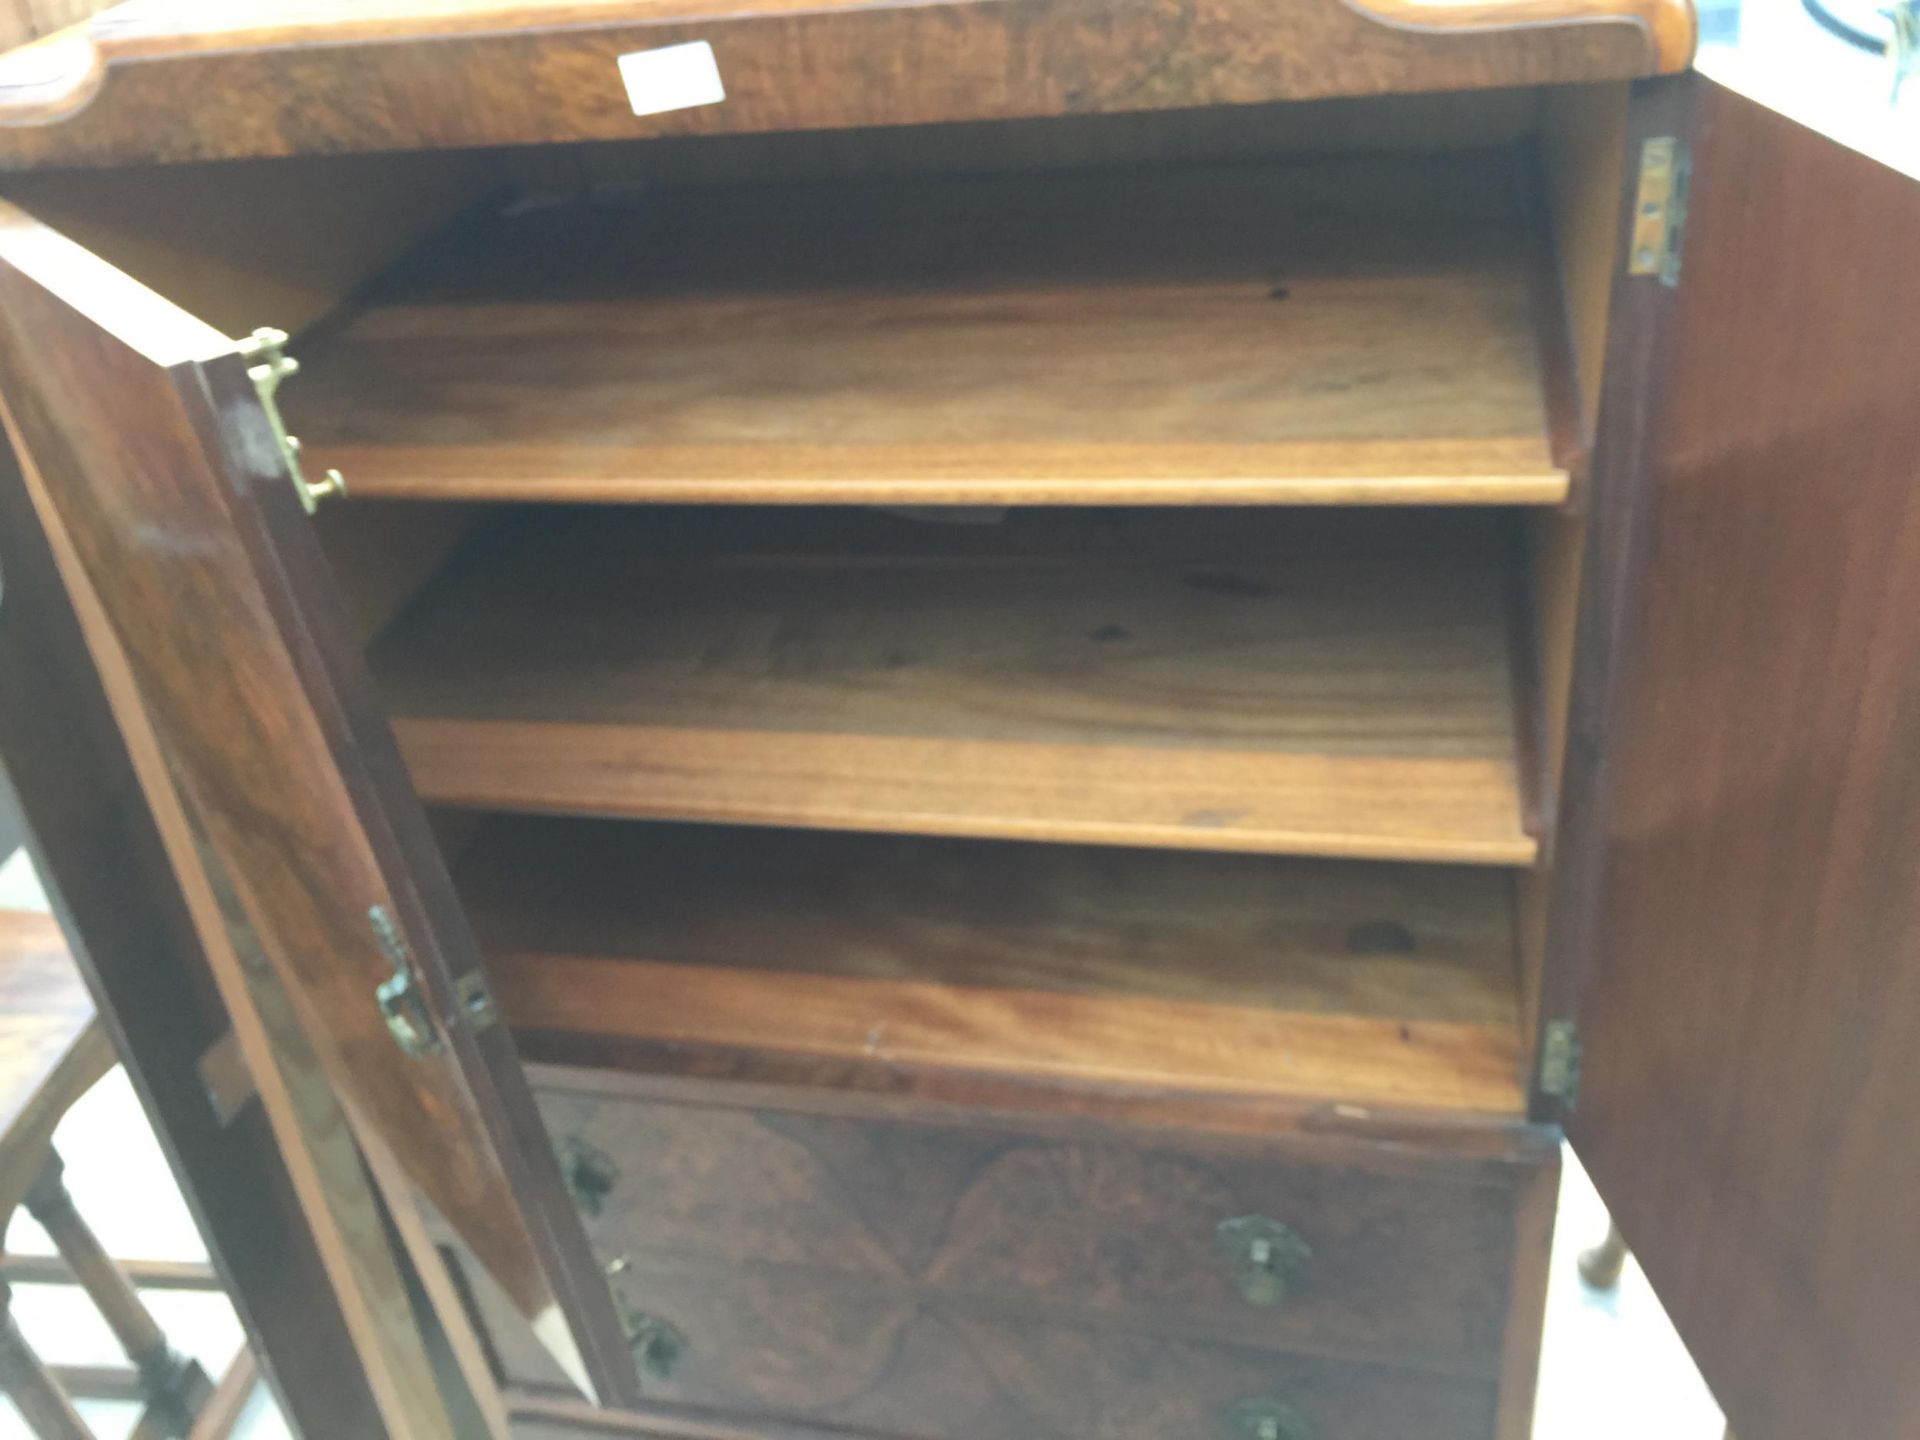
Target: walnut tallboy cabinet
(974,720)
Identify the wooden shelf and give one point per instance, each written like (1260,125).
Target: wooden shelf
(1376,984)
(1307,333)
(1277,681)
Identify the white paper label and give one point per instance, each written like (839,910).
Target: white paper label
(674,77)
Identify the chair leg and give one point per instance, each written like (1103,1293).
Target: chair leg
(42,1403)
(1600,1267)
(173,1386)
(230,1397)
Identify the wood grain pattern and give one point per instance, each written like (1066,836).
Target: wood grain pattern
(174,81)
(1738,896)
(1401,810)
(303,1105)
(98,851)
(878,1369)
(253,1012)
(1273,687)
(149,454)
(1672,27)
(1439,123)
(1312,332)
(1371,985)
(967,1219)
(169,27)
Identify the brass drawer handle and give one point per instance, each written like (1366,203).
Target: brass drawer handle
(657,1344)
(1268,1258)
(1265,1418)
(590,1174)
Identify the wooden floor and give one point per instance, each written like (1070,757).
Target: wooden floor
(1256,333)
(1287,682)
(1379,984)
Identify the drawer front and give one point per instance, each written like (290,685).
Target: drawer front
(1226,1244)
(805,1350)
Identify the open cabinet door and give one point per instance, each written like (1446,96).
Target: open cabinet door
(1738,919)
(157,474)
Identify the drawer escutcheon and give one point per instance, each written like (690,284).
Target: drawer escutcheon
(1268,1258)
(657,1344)
(590,1175)
(1265,1418)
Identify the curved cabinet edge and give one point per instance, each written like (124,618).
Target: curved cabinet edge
(1671,27)
(50,79)
(142,85)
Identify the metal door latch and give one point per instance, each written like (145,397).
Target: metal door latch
(402,1004)
(267,365)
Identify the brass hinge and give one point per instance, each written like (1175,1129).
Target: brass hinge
(268,363)
(1560,1056)
(1660,209)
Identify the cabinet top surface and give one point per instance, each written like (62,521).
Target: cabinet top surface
(336,76)
(176,26)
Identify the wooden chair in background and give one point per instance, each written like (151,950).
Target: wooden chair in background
(52,1050)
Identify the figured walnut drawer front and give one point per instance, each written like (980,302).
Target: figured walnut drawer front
(783,1345)
(779,1346)
(1397,1264)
